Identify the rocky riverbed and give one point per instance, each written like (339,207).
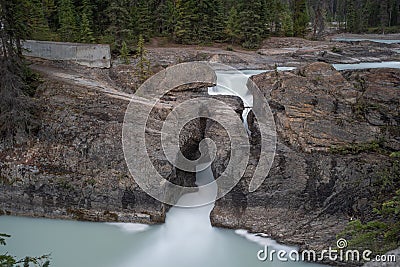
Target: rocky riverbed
(335,130)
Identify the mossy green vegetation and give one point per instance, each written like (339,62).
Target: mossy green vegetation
(381,232)
(357,148)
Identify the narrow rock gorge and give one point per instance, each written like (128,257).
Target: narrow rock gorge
(335,133)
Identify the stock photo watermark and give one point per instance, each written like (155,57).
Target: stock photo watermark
(340,253)
(147,98)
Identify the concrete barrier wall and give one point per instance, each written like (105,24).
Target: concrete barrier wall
(91,55)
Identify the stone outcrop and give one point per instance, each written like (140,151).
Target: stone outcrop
(335,131)
(75,167)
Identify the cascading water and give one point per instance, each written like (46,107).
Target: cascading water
(186,239)
(234,83)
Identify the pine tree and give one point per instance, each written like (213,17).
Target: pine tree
(187,25)
(119,22)
(124,53)
(145,19)
(38,22)
(67,20)
(232,29)
(166,19)
(251,25)
(50,11)
(355,17)
(14,26)
(300,18)
(86,32)
(384,15)
(217,20)
(143,65)
(287,22)
(319,19)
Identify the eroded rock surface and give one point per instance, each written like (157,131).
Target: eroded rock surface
(75,167)
(335,131)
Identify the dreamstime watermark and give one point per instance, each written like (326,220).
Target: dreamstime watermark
(146,108)
(340,253)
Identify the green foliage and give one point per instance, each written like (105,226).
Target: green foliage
(389,179)
(245,22)
(38,21)
(14,26)
(189,29)
(336,50)
(86,27)
(356,17)
(118,22)
(143,66)
(145,19)
(395,154)
(300,18)
(287,22)
(374,235)
(232,29)
(251,24)
(11,261)
(124,53)
(229,48)
(166,19)
(358,148)
(379,235)
(382,233)
(67,21)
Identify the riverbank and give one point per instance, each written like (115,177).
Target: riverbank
(330,130)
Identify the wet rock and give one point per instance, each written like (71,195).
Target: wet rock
(315,185)
(75,167)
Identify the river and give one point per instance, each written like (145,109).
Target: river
(186,239)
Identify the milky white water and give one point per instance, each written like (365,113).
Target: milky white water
(187,238)
(368,65)
(233,82)
(366,39)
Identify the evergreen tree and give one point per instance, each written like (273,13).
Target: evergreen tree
(319,19)
(67,20)
(251,25)
(119,22)
(86,32)
(217,20)
(166,19)
(143,65)
(145,19)
(187,26)
(384,15)
(50,13)
(287,22)
(125,53)
(13,26)
(355,17)
(300,18)
(37,21)
(232,29)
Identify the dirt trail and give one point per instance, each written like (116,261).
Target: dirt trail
(78,79)
(75,78)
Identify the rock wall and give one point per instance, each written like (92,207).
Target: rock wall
(90,55)
(75,167)
(334,134)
